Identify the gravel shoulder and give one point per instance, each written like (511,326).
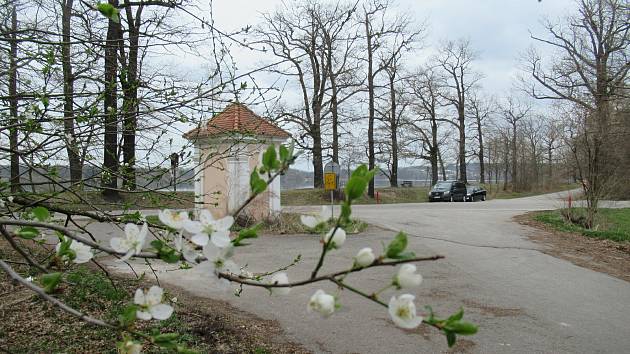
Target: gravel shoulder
(605,256)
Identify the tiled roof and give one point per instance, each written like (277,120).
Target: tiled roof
(237,118)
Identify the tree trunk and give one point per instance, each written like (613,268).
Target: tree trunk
(433,159)
(13,106)
(393,177)
(370,77)
(482,164)
(334,106)
(109,175)
(462,144)
(318,166)
(72,147)
(514,159)
(439,153)
(130,101)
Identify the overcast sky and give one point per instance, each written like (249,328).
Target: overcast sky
(499,31)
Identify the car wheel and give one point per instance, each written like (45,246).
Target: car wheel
(483,198)
(450,199)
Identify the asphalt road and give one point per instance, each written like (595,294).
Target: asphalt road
(523,300)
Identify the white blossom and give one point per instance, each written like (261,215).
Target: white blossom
(10,199)
(338,239)
(312,221)
(82,253)
(132,243)
(187,250)
(209,229)
(219,262)
(322,303)
(173,219)
(402,310)
(280,278)
(364,257)
(130,347)
(407,277)
(151,305)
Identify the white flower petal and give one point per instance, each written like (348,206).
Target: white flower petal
(154,295)
(117,244)
(143,315)
(132,231)
(325,214)
(407,276)
(161,311)
(139,298)
(224,223)
(402,311)
(200,239)
(194,227)
(338,239)
(322,303)
(220,238)
(364,257)
(280,278)
(309,221)
(205,216)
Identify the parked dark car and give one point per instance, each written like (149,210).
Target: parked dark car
(448,191)
(474,193)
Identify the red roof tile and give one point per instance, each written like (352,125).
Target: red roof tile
(237,118)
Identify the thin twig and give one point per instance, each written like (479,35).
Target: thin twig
(41,293)
(377,263)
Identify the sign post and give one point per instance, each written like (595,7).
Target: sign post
(331,177)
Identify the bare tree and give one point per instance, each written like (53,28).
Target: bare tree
(294,34)
(379,28)
(590,69)
(456,59)
(479,109)
(424,89)
(513,111)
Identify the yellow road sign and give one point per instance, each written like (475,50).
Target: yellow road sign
(330,181)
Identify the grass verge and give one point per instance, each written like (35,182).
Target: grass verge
(389,195)
(497,192)
(289,223)
(611,224)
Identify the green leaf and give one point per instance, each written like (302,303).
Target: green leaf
(169,255)
(257,184)
(108,11)
(251,232)
(450,338)
(27,232)
(461,327)
(404,255)
(457,316)
(284,153)
(132,217)
(50,281)
(270,160)
(165,337)
(41,213)
(157,244)
(397,246)
(128,315)
(346,211)
(355,187)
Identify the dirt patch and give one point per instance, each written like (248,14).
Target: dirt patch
(29,324)
(231,330)
(494,310)
(601,255)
